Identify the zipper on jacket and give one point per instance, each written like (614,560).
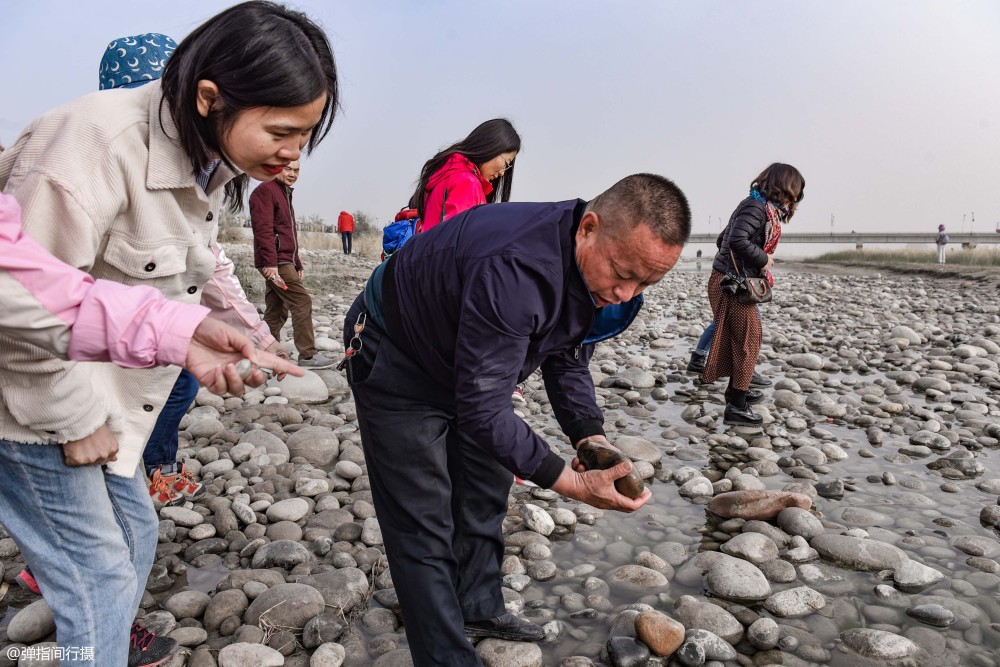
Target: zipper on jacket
(576,351)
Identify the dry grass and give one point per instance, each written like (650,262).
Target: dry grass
(956,255)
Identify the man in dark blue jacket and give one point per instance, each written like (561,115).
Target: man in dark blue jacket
(452,322)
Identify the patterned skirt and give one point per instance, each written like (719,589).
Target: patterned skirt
(737,337)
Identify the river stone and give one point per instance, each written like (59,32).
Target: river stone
(715,647)
(763,634)
(753,547)
(932,614)
(277,451)
(205,428)
(807,360)
(902,331)
(310,388)
(975,545)
(810,456)
(637,575)
(224,604)
(691,654)
(182,516)
(736,579)
(638,449)
(693,613)
(371,532)
(537,519)
(662,634)
(913,577)
(187,604)
(250,655)
(342,589)
(854,553)
(626,652)
(860,516)
(32,623)
(280,553)
(756,504)
(696,487)
(243,512)
(929,382)
(286,606)
(328,655)
(798,521)
(878,644)
(500,653)
(316,444)
(290,509)
(795,602)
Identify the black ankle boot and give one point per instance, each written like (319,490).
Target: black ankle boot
(753,397)
(697,363)
(734,416)
(759,380)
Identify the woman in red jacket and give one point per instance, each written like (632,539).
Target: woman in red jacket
(477,170)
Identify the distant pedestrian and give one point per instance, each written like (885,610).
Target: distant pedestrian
(345,227)
(276,256)
(941,241)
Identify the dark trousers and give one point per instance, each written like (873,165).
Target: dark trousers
(162,444)
(440,499)
(345,239)
(296,300)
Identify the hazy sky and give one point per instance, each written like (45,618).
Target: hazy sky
(890,108)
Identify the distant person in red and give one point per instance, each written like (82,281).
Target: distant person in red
(345,227)
(477,170)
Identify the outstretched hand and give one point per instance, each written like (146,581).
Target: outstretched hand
(215,350)
(597,488)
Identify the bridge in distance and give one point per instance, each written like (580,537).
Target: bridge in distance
(859,240)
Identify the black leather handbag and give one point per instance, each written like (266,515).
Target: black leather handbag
(744,288)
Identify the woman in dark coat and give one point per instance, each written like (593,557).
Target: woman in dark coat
(750,240)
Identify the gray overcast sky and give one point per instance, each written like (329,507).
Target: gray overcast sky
(891,109)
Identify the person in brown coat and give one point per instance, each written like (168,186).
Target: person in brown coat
(276,255)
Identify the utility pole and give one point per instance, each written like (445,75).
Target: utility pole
(831,224)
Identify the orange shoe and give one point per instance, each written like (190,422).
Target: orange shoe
(162,493)
(184,483)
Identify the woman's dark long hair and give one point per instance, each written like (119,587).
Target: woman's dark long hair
(484,143)
(259,54)
(779,183)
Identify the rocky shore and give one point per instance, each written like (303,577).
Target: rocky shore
(859,527)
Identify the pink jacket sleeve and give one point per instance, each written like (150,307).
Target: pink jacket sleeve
(463,192)
(66,312)
(225,296)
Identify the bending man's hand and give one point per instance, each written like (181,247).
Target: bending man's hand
(215,349)
(97,448)
(597,488)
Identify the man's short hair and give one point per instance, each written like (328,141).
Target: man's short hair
(645,199)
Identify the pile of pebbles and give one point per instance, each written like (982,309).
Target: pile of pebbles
(857,527)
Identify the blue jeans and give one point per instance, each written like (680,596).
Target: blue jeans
(90,539)
(705,342)
(162,444)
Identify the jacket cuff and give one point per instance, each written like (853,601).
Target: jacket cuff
(584,428)
(548,471)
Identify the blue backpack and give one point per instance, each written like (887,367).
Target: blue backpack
(398,232)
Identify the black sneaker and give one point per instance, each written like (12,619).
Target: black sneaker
(737,417)
(508,627)
(147,650)
(697,363)
(759,380)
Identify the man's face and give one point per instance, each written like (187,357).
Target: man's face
(618,269)
(290,174)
